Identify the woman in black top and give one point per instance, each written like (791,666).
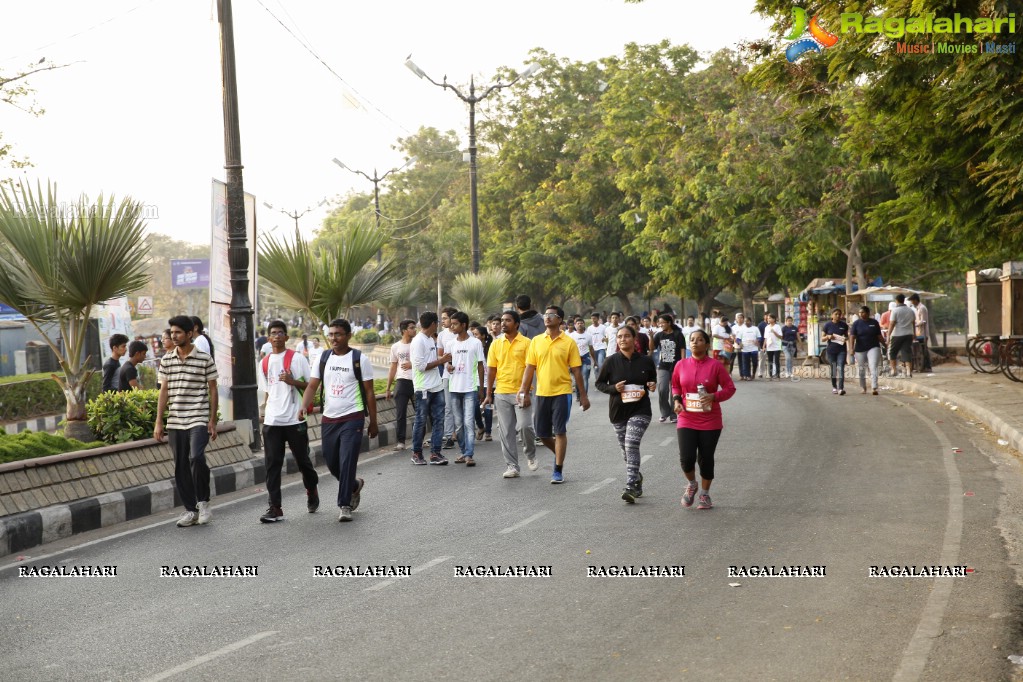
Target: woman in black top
(629,378)
(836,333)
(789,339)
(866,336)
(484,415)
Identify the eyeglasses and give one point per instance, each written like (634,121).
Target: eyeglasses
(551,316)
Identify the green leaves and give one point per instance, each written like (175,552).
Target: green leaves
(481,294)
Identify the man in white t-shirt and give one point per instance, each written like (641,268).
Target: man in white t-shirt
(466,386)
(401,370)
(598,340)
(429,390)
(444,338)
(772,346)
(584,339)
(748,337)
(346,406)
(611,333)
(285,373)
(688,328)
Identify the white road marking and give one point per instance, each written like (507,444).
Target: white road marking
(914,658)
(418,569)
(240,644)
(107,538)
(520,524)
(595,488)
(668,441)
(644,458)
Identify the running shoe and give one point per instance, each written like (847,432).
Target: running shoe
(705,502)
(357,493)
(345,514)
(834,391)
(629,494)
(437,458)
(842,392)
(689,494)
(189,518)
(417,458)
(312,502)
(399,446)
(511,472)
(533,464)
(205,515)
(448,444)
(272,515)
(557,477)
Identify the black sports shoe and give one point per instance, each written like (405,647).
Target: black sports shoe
(629,494)
(272,515)
(437,458)
(417,458)
(448,444)
(313,499)
(357,493)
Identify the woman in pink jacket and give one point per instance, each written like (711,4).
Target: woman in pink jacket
(699,414)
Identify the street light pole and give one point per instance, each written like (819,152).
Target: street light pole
(295,215)
(471,100)
(243,389)
(376,180)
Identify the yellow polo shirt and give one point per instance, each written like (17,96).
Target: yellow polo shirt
(552,359)
(509,357)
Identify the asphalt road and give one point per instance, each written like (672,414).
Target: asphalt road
(803,478)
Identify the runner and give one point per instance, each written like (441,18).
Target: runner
(699,415)
(629,377)
(286,373)
(348,400)
(552,357)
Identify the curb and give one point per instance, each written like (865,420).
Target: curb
(19,532)
(49,423)
(1001,428)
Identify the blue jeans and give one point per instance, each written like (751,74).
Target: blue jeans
(601,354)
(463,410)
(747,363)
(586,376)
(837,361)
(341,443)
(432,405)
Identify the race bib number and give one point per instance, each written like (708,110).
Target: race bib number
(694,404)
(633,393)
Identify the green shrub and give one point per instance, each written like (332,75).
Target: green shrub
(367,336)
(29,398)
(387,338)
(29,445)
(123,416)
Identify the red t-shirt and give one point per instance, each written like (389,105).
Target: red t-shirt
(688,374)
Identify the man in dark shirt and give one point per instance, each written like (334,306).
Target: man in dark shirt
(128,375)
(118,347)
(671,346)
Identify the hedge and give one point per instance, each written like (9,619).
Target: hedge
(29,445)
(20,400)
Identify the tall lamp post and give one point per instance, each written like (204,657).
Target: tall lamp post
(295,215)
(376,190)
(471,100)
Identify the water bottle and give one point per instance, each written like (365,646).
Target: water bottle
(703,392)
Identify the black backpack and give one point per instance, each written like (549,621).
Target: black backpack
(356,366)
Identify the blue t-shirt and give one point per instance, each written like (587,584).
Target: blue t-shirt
(840,328)
(867,333)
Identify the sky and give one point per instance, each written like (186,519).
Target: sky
(138,110)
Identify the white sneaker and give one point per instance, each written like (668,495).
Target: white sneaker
(189,518)
(399,447)
(511,472)
(204,513)
(345,514)
(533,464)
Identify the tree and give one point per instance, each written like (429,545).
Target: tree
(57,262)
(480,294)
(329,282)
(13,90)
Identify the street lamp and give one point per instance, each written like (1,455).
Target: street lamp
(471,100)
(295,215)
(376,189)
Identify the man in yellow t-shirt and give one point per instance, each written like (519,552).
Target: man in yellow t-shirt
(552,356)
(506,363)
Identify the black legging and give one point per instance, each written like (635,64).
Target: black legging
(698,446)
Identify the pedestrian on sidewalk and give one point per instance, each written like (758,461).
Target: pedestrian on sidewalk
(836,333)
(118,349)
(429,390)
(348,402)
(552,358)
(629,377)
(506,365)
(901,325)
(188,398)
(401,372)
(866,340)
(286,373)
(922,330)
(465,369)
(699,415)
(128,374)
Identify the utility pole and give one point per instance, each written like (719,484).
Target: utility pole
(243,350)
(376,180)
(471,100)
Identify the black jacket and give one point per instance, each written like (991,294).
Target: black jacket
(639,369)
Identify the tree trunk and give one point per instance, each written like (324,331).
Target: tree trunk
(623,301)
(75,424)
(747,300)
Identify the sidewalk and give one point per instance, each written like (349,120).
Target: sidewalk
(991,399)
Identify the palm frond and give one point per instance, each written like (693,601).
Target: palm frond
(481,294)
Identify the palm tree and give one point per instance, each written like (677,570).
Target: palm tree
(481,294)
(329,283)
(59,261)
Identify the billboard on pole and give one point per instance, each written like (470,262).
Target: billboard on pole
(190,274)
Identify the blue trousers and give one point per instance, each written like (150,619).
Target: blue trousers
(341,442)
(463,409)
(432,405)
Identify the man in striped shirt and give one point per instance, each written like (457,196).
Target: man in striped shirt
(188,396)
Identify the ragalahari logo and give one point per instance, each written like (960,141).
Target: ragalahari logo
(818,38)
